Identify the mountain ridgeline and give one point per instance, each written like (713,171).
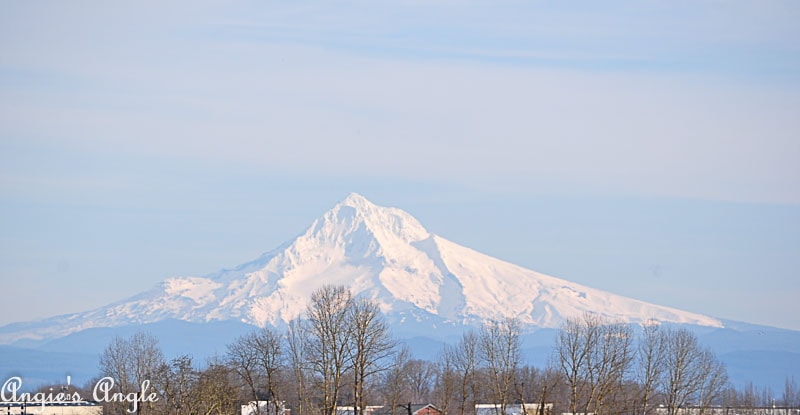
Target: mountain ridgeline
(418,278)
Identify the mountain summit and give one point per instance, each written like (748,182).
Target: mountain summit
(418,278)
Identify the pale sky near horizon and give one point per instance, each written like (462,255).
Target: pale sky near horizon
(647,148)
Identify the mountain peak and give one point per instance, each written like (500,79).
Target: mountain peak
(357,201)
(357,212)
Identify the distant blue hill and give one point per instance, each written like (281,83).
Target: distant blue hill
(37,367)
(201,340)
(78,354)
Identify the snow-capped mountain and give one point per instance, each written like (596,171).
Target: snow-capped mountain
(379,252)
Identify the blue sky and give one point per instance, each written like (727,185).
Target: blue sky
(647,148)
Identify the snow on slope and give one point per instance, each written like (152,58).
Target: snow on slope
(383,253)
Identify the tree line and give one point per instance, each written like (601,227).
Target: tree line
(342,353)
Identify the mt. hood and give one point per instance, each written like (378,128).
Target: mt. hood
(383,253)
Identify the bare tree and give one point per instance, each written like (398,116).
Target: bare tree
(500,349)
(594,355)
(611,363)
(681,380)
(465,362)
(297,342)
(531,384)
(419,375)
(791,393)
(394,378)
(575,342)
(553,388)
(692,374)
(328,340)
(215,389)
(650,362)
(243,359)
(446,377)
(133,363)
(178,384)
(714,378)
(371,346)
(269,355)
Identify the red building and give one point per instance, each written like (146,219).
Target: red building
(409,409)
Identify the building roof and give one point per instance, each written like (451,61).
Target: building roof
(403,409)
